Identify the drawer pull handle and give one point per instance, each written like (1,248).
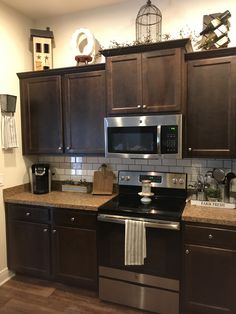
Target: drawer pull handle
(27,214)
(210,236)
(72,219)
(187,252)
(45,230)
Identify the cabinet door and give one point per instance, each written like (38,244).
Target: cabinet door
(211,107)
(29,248)
(75,256)
(124,84)
(41,115)
(85,112)
(162,80)
(209,280)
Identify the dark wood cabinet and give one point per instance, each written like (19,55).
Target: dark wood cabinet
(55,243)
(209,273)
(146,81)
(84,112)
(75,248)
(63,110)
(211,102)
(28,240)
(41,109)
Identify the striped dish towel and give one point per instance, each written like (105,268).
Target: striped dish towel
(135,242)
(8,127)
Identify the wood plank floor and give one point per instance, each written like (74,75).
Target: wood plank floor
(23,295)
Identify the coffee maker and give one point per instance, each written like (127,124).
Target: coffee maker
(40,178)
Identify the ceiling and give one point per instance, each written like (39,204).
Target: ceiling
(50,8)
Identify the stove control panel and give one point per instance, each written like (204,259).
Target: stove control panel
(158,179)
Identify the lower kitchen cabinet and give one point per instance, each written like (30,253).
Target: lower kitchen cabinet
(28,240)
(74,247)
(57,244)
(209,272)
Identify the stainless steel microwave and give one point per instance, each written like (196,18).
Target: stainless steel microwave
(156,136)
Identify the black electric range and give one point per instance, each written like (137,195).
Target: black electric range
(167,202)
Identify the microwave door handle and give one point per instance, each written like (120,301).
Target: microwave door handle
(159,139)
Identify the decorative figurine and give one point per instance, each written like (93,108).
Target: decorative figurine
(42,48)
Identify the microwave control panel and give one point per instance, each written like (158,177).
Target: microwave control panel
(169,139)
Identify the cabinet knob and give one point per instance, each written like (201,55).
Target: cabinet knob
(187,252)
(60,148)
(210,236)
(144,106)
(54,231)
(27,214)
(68,147)
(72,219)
(138,106)
(45,230)
(189,149)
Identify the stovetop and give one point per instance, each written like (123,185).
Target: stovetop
(164,208)
(167,203)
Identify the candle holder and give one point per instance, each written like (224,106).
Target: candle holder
(146,192)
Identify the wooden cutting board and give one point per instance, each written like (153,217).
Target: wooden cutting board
(103,182)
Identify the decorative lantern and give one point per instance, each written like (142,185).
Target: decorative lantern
(148,23)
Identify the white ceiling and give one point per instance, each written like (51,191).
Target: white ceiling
(49,8)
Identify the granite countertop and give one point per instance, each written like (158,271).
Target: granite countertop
(73,200)
(202,214)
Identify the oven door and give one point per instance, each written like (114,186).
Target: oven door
(153,286)
(162,242)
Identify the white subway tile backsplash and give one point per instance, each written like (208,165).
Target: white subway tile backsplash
(141,161)
(215,163)
(169,162)
(148,168)
(81,159)
(184,162)
(70,159)
(162,168)
(115,160)
(155,162)
(135,167)
(128,161)
(122,167)
(176,169)
(77,168)
(92,160)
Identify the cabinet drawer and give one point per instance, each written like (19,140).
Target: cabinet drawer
(28,213)
(215,237)
(74,219)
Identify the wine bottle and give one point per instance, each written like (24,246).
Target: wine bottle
(216,22)
(208,40)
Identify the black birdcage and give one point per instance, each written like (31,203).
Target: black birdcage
(148,24)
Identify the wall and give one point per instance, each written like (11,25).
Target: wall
(117,23)
(14,57)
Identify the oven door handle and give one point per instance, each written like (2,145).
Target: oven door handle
(158,224)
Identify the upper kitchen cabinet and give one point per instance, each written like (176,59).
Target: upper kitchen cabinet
(146,78)
(84,105)
(41,113)
(211,101)
(63,110)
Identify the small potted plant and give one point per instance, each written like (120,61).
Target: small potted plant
(213,194)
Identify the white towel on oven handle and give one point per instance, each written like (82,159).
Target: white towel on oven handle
(135,242)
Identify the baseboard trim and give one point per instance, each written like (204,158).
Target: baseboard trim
(5,275)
